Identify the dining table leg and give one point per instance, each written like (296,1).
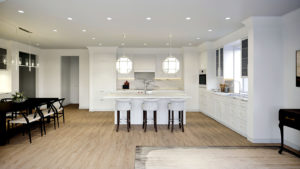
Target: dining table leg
(3,133)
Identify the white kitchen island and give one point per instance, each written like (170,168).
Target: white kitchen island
(137,98)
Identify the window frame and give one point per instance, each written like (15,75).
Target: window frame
(118,65)
(167,70)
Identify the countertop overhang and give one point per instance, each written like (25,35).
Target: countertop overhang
(156,94)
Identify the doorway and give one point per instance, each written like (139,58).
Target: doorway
(70,79)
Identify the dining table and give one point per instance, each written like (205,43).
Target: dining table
(28,105)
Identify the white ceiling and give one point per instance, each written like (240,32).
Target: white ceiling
(128,16)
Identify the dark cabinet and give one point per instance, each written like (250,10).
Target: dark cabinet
(26,59)
(221,62)
(217,62)
(3,58)
(244,57)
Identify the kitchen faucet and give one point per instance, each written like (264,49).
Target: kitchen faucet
(146,84)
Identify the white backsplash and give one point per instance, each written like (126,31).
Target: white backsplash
(161,84)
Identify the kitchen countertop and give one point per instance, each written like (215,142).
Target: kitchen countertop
(231,95)
(139,94)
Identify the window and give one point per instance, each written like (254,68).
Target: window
(233,62)
(170,65)
(220,62)
(124,65)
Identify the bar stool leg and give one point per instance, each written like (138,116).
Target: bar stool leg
(179,119)
(168,119)
(145,127)
(172,121)
(129,120)
(118,120)
(155,120)
(182,121)
(143,119)
(128,114)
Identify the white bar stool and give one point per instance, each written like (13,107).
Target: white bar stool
(123,105)
(150,105)
(176,105)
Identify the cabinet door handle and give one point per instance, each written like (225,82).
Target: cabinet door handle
(289,118)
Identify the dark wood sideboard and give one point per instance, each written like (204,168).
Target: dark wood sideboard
(289,118)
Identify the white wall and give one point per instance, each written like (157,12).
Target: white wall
(50,67)
(84,80)
(191,77)
(265,75)
(142,57)
(11,75)
(234,36)
(291,43)
(74,80)
(5,75)
(65,79)
(102,76)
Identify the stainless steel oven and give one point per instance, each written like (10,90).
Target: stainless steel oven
(202,78)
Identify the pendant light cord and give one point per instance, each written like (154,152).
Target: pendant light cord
(170,44)
(124,37)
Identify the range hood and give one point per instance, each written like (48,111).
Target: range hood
(144,75)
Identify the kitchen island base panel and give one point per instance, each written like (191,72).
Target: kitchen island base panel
(136,113)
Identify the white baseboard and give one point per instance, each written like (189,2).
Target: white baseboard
(286,142)
(292,145)
(263,140)
(83,107)
(110,110)
(73,103)
(193,110)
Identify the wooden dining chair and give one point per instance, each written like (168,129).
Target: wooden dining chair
(59,110)
(10,115)
(27,120)
(47,112)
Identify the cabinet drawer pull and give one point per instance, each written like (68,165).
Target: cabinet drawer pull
(289,118)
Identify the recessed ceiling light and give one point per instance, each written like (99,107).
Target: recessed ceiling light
(69,18)
(148,18)
(93,38)
(20,11)
(227,18)
(198,38)
(109,18)
(188,18)
(83,30)
(210,30)
(100,44)
(54,30)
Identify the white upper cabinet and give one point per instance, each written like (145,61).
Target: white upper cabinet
(144,64)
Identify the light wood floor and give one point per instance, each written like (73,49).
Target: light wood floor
(88,140)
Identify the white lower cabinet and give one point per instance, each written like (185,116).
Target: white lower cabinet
(229,111)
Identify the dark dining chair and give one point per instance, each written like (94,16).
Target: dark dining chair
(10,115)
(59,109)
(48,113)
(27,120)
